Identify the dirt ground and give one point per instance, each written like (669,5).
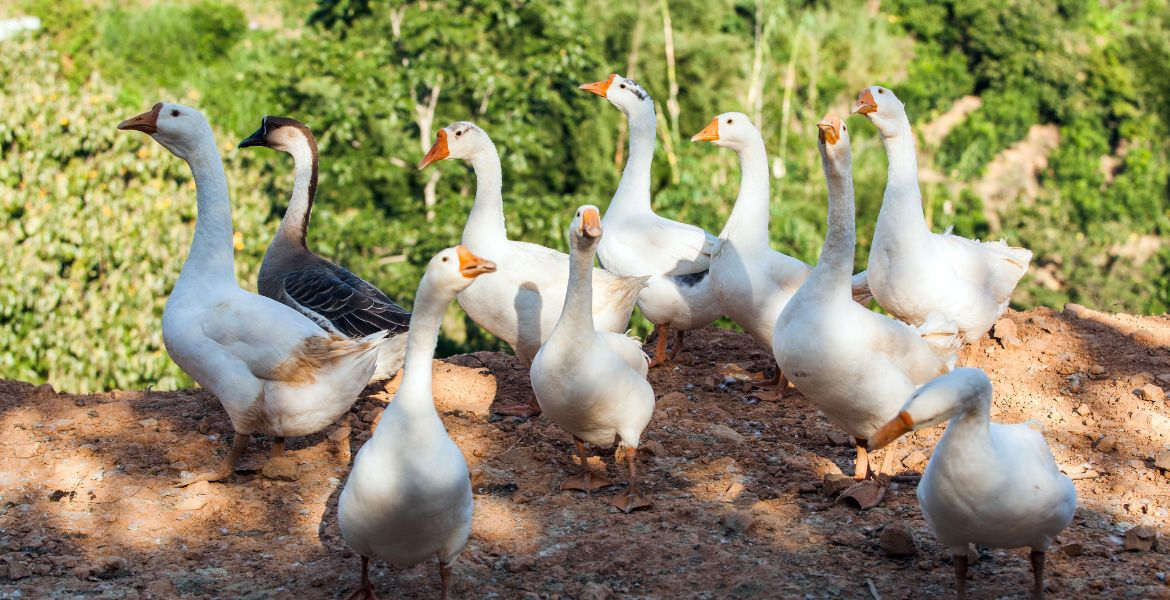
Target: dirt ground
(87,506)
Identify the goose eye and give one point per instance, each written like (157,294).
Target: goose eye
(622,85)
(174,112)
(881,91)
(444,259)
(729,121)
(458,133)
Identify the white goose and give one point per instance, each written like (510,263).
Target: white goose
(987,483)
(330,295)
(675,255)
(753,281)
(408,496)
(275,371)
(593,383)
(855,365)
(522,302)
(914,272)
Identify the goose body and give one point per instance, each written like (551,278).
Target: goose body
(855,365)
(914,272)
(275,371)
(675,256)
(408,496)
(592,383)
(987,483)
(753,282)
(521,303)
(292,274)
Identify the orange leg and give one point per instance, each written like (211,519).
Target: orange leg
(366,591)
(660,345)
(632,499)
(586,481)
(226,467)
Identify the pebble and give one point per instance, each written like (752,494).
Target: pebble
(914,460)
(281,468)
(737,522)
(1073,549)
(835,483)
(654,447)
(1107,444)
(17,570)
(1005,331)
(897,539)
(725,433)
(341,433)
(840,438)
(1150,393)
(849,537)
(1162,460)
(1140,538)
(1096,370)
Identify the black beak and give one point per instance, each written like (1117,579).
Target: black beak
(256,139)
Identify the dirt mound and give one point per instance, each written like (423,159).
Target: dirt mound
(87,507)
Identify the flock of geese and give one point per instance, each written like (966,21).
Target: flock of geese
(290,361)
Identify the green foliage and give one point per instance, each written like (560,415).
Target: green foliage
(98,221)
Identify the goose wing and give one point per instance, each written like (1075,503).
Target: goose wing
(339,300)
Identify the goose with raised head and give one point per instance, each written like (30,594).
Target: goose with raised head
(676,256)
(292,274)
(753,282)
(275,371)
(593,383)
(987,483)
(408,496)
(522,302)
(914,272)
(855,365)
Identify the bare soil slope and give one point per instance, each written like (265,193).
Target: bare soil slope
(87,506)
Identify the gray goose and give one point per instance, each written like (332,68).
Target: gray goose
(292,274)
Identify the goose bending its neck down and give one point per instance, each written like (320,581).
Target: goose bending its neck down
(676,256)
(753,281)
(986,483)
(914,272)
(408,496)
(593,383)
(522,302)
(275,371)
(336,299)
(855,365)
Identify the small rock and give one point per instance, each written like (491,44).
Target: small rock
(148,422)
(1073,549)
(914,460)
(835,483)
(204,425)
(738,522)
(1083,409)
(849,537)
(1162,460)
(733,491)
(1005,331)
(840,438)
(672,399)
(1107,444)
(195,502)
(341,433)
(654,447)
(517,457)
(1096,370)
(897,539)
(17,570)
(64,425)
(1150,393)
(1164,378)
(725,433)
(595,591)
(523,562)
(1140,538)
(1140,379)
(281,468)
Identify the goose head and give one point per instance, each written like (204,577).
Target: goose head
(940,399)
(283,134)
(181,129)
(455,268)
(461,140)
(883,109)
(621,92)
(730,130)
(585,230)
(833,141)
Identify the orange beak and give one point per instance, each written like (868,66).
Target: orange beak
(830,127)
(471,265)
(146,122)
(601,88)
(896,428)
(710,133)
(591,223)
(437,152)
(865,103)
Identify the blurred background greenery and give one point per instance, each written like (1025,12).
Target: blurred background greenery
(1044,122)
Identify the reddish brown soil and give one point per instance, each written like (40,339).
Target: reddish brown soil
(87,507)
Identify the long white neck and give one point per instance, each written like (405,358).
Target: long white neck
(577,314)
(295,223)
(633,192)
(835,266)
(901,211)
(415,397)
(212,258)
(748,223)
(485,224)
